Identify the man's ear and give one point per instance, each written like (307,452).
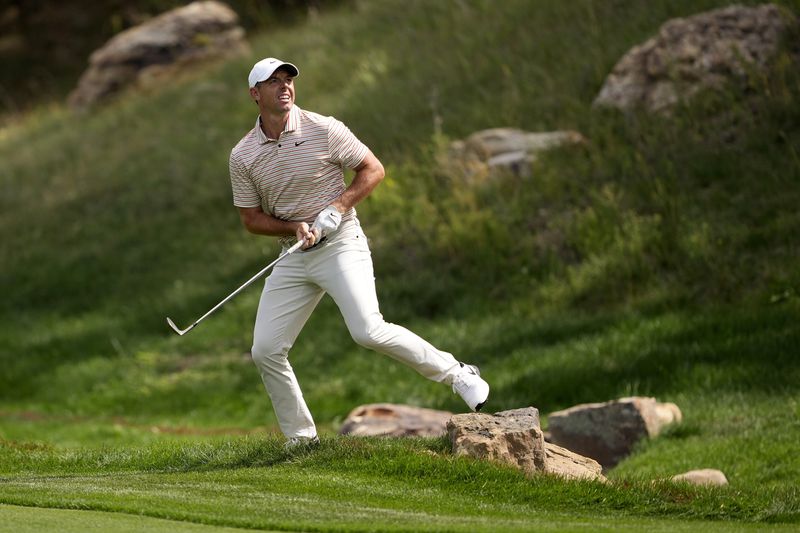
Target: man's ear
(254,94)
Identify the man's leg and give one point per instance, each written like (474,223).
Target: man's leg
(286,304)
(344,270)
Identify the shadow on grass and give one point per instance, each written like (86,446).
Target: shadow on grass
(705,349)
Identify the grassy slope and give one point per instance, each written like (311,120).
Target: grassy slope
(660,259)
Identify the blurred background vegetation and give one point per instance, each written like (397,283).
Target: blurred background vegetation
(45,45)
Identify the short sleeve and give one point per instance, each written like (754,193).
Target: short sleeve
(244,191)
(345,148)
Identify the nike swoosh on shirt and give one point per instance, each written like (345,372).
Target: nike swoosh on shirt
(299,143)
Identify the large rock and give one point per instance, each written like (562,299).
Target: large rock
(607,432)
(395,420)
(515,437)
(159,48)
(687,55)
(508,149)
(705,476)
(503,437)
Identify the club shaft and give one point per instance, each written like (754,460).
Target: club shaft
(247,283)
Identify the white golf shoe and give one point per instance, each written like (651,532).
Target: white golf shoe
(301,443)
(471,387)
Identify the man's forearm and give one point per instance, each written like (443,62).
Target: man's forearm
(260,223)
(368,175)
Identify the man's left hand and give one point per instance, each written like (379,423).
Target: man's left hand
(327,221)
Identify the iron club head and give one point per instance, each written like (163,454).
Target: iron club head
(176,329)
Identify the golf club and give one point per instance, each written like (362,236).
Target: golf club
(234,293)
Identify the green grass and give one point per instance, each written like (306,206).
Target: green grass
(32,519)
(349,484)
(659,259)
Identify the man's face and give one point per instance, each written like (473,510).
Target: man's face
(275,95)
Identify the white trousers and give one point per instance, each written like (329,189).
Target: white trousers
(341,267)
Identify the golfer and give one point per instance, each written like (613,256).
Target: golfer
(287,176)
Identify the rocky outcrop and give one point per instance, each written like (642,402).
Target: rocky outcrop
(395,420)
(607,432)
(159,48)
(705,476)
(515,437)
(506,149)
(689,54)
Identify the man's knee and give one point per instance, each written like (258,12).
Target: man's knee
(267,352)
(370,334)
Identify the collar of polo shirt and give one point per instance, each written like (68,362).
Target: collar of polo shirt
(291,125)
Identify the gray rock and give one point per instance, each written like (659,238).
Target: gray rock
(159,48)
(607,432)
(395,420)
(687,55)
(705,476)
(508,149)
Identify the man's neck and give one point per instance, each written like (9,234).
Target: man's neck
(273,125)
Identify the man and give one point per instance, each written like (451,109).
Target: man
(287,176)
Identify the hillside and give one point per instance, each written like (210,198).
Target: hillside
(659,259)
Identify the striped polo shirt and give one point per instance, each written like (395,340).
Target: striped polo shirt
(300,173)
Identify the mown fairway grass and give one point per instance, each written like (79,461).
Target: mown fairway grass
(18,519)
(659,259)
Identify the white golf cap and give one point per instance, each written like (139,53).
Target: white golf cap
(264,69)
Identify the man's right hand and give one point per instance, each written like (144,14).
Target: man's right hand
(304,233)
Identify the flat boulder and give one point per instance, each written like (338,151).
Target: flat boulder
(687,55)
(509,149)
(704,476)
(395,420)
(562,462)
(607,432)
(158,48)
